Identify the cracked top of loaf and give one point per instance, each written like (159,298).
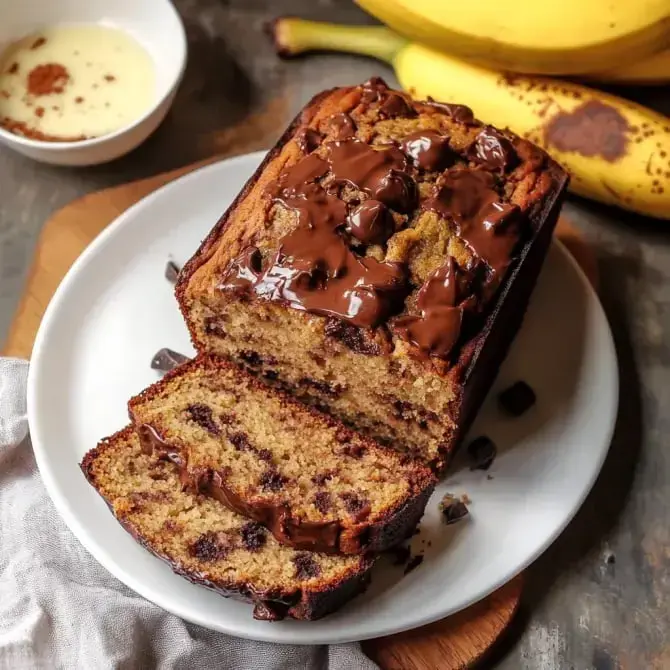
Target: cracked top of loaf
(391,215)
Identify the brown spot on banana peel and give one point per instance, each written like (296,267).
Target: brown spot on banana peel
(592,129)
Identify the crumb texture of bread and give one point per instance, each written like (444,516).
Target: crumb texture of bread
(358,267)
(315,484)
(208,544)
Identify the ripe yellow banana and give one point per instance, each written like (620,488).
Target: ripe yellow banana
(652,71)
(616,151)
(542,37)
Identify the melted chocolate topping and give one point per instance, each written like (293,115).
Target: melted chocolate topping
(428,150)
(371,222)
(343,126)
(308,140)
(379,173)
(493,150)
(436,330)
(459,113)
(467,197)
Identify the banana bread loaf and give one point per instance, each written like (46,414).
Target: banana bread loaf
(311,481)
(379,262)
(205,542)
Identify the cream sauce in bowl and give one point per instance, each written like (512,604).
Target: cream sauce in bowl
(74,82)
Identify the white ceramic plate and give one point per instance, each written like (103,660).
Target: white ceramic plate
(115,309)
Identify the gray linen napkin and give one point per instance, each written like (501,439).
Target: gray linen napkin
(60,609)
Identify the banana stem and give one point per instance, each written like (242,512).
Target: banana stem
(296,36)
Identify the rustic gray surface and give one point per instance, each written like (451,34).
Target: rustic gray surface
(599,597)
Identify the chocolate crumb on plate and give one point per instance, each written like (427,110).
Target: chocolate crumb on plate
(482,451)
(453,509)
(166,359)
(171,271)
(517,399)
(414,562)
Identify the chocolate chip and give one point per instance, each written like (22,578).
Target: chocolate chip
(254,536)
(453,509)
(214,326)
(272,375)
(202,415)
(414,562)
(252,358)
(352,337)
(240,441)
(482,451)
(353,450)
(264,455)
(308,140)
(212,546)
(400,555)
(306,566)
(272,480)
(516,399)
(166,359)
(355,504)
(171,271)
(323,387)
(321,478)
(322,501)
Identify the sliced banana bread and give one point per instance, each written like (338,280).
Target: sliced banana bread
(310,480)
(205,542)
(379,262)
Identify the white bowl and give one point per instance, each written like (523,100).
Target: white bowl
(155,24)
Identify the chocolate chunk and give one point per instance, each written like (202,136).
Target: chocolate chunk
(482,451)
(356,339)
(493,150)
(252,358)
(171,271)
(343,126)
(400,554)
(166,359)
(265,455)
(322,501)
(214,326)
(323,387)
(240,441)
(414,563)
(306,566)
(516,399)
(269,611)
(371,222)
(459,113)
(202,415)
(272,375)
(272,480)
(308,140)
(254,536)
(428,150)
(355,505)
(212,546)
(394,105)
(453,509)
(321,478)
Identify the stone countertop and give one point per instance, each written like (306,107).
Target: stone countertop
(599,597)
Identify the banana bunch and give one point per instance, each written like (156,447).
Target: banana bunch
(571,37)
(616,151)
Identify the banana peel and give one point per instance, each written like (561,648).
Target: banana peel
(617,152)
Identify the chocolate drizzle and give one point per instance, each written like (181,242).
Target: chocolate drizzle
(379,173)
(459,113)
(428,150)
(435,331)
(314,270)
(487,225)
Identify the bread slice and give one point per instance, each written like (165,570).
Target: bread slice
(205,542)
(313,482)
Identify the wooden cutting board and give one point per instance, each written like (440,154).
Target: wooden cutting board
(457,642)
